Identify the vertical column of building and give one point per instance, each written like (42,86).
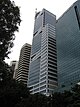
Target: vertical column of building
(52,60)
(34,69)
(44,61)
(48,71)
(48,67)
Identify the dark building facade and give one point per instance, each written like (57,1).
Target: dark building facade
(68,47)
(14,67)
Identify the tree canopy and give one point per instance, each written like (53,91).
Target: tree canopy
(9,22)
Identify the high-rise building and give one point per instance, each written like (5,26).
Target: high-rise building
(23,64)
(68,47)
(14,66)
(43,64)
(15,70)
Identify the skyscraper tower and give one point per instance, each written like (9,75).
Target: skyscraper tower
(23,65)
(43,64)
(68,47)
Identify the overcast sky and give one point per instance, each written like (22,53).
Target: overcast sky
(27,10)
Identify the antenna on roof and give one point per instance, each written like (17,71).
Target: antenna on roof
(35,10)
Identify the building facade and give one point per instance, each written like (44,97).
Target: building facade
(68,47)
(43,62)
(14,67)
(23,65)
(15,70)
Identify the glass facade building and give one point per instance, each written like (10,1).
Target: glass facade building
(68,47)
(43,62)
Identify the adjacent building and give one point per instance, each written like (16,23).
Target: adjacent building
(68,47)
(14,67)
(15,70)
(43,61)
(23,65)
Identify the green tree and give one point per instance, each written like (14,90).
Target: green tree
(34,100)
(13,93)
(67,98)
(9,22)
(57,100)
(5,74)
(75,98)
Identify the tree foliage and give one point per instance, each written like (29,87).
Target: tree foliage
(13,93)
(5,73)
(9,21)
(34,100)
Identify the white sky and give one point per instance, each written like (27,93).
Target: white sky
(27,9)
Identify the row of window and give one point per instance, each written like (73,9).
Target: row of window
(52,78)
(54,75)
